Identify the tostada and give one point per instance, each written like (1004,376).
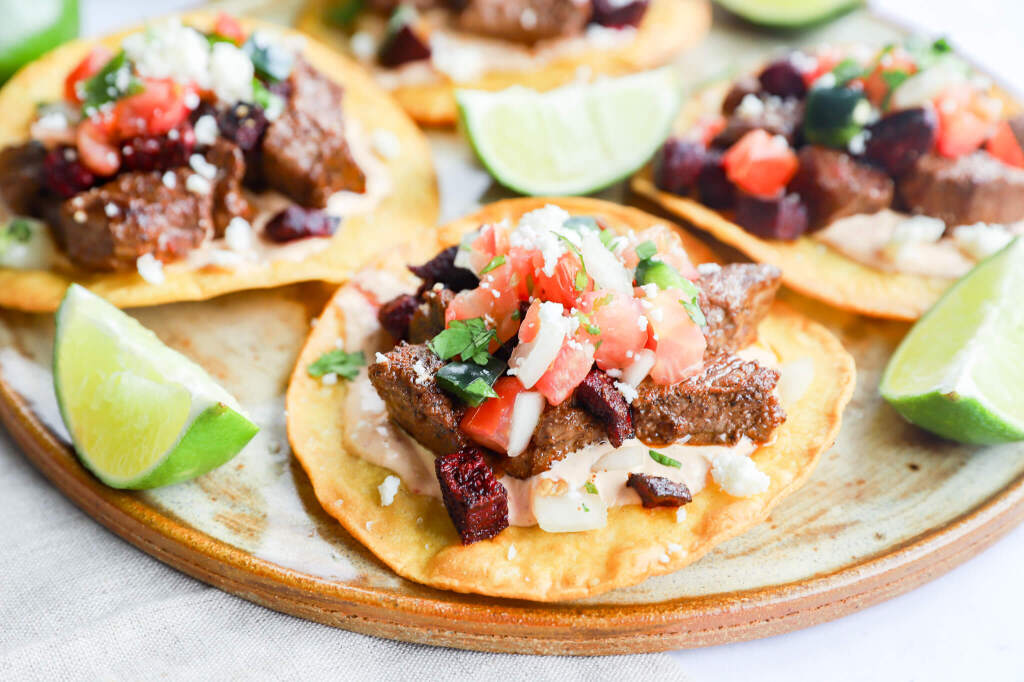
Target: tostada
(569,398)
(873,178)
(422,50)
(198,156)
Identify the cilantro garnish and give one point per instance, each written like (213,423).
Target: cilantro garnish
(646,249)
(590,488)
(213,38)
(603,301)
(515,315)
(587,323)
(496,262)
(664,459)
(18,230)
(892,79)
(263,97)
(580,281)
(846,70)
(345,365)
(941,46)
(467,339)
(585,507)
(114,81)
(691,303)
(344,13)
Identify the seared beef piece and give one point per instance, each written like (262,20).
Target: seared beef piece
(396,314)
(834,185)
(305,154)
(745,85)
(441,268)
(296,222)
(64,174)
(388,6)
(619,14)
(783,217)
(778,116)
(714,189)
(21,176)
(783,79)
(896,141)
(415,401)
(228,200)
(406,44)
(734,299)
(109,227)
(476,502)
(658,491)
(598,396)
(976,188)
(159,152)
(525,21)
(428,317)
(678,164)
(562,429)
(729,399)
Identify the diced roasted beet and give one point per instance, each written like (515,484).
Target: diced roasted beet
(403,46)
(598,395)
(159,152)
(782,79)
(476,502)
(296,222)
(204,108)
(657,491)
(243,124)
(64,174)
(619,14)
(678,164)
(713,186)
(896,141)
(396,314)
(782,218)
(746,85)
(441,268)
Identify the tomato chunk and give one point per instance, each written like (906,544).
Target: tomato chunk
(95,147)
(566,282)
(1005,146)
(86,69)
(620,325)
(963,123)
(570,367)
(760,164)
(228,27)
(875,86)
(154,111)
(490,423)
(678,343)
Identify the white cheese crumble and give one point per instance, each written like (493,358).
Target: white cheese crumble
(231,73)
(363,46)
(150,269)
(386,144)
(511,554)
(528,19)
(380,357)
(169,49)
(536,230)
(859,142)
(200,165)
(206,130)
(680,514)
(627,391)
(751,106)
(197,184)
(329,379)
(111,209)
(981,240)
(422,373)
(169,179)
(387,490)
(914,230)
(238,234)
(738,475)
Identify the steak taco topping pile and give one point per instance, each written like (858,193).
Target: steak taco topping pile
(901,158)
(550,369)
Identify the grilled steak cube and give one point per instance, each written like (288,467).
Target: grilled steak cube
(305,154)
(396,314)
(428,317)
(405,382)
(734,299)
(110,226)
(896,141)
(441,268)
(729,399)
(228,200)
(562,429)
(598,396)
(783,217)
(21,176)
(834,185)
(476,502)
(775,115)
(976,188)
(525,21)
(658,491)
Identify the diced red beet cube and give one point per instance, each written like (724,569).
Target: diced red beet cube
(598,396)
(403,46)
(441,268)
(159,152)
(677,165)
(619,14)
(476,502)
(64,174)
(896,141)
(243,124)
(783,218)
(783,79)
(396,314)
(657,491)
(296,222)
(713,185)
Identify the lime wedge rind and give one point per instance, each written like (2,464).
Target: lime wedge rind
(789,14)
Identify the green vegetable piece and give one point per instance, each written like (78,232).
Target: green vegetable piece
(469,382)
(265,98)
(214,38)
(344,13)
(590,487)
(17,230)
(646,250)
(114,81)
(467,339)
(834,115)
(846,70)
(496,262)
(660,273)
(665,459)
(345,365)
(271,61)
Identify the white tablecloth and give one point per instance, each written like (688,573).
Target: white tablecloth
(78,603)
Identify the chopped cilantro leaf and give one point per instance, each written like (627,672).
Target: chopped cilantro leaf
(608,238)
(586,508)
(496,262)
(846,70)
(338,362)
(580,280)
(515,315)
(646,249)
(263,97)
(892,79)
(665,459)
(691,303)
(603,301)
(114,81)
(590,487)
(587,323)
(214,38)
(345,12)
(941,46)
(467,339)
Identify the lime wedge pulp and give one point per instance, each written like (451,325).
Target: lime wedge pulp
(140,414)
(576,139)
(788,13)
(958,372)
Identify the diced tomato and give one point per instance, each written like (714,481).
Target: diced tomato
(565,284)
(95,147)
(87,68)
(569,368)
(227,26)
(492,241)
(964,124)
(827,59)
(499,312)
(678,343)
(874,84)
(154,111)
(760,164)
(489,424)
(670,249)
(621,328)
(1005,146)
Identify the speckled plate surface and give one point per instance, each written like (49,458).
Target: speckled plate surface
(887,508)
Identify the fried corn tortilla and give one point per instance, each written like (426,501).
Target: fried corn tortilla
(414,536)
(409,211)
(668,27)
(807,265)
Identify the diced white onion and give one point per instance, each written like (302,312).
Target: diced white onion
(531,360)
(36,253)
(570,513)
(638,370)
(525,414)
(795,378)
(622,459)
(923,86)
(607,271)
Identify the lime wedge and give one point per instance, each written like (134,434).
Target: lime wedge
(788,13)
(576,139)
(958,372)
(140,414)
